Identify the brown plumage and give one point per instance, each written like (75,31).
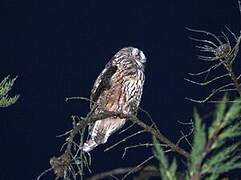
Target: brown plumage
(118,88)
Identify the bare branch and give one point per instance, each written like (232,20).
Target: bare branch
(185,136)
(207,70)
(137,167)
(234,35)
(207,33)
(111,173)
(239,5)
(140,145)
(208,58)
(123,140)
(149,117)
(78,98)
(64,134)
(186,123)
(210,95)
(224,52)
(134,119)
(206,48)
(207,82)
(44,172)
(147,172)
(124,130)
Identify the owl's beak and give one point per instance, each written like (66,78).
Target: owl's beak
(143,57)
(143,60)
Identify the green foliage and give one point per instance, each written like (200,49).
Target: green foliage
(224,149)
(168,172)
(5,87)
(215,150)
(199,142)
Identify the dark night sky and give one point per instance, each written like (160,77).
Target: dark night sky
(57,48)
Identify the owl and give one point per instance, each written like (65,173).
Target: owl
(118,88)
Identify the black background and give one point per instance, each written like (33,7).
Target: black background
(57,48)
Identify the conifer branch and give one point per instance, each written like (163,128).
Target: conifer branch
(215,150)
(5,86)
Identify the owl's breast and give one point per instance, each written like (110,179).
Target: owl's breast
(114,96)
(124,93)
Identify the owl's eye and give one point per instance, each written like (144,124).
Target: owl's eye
(138,55)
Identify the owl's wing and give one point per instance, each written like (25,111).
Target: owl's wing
(103,82)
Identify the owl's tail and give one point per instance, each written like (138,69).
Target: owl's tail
(101,131)
(89,145)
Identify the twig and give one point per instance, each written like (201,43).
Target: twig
(137,167)
(186,123)
(206,70)
(187,135)
(149,116)
(147,172)
(123,140)
(64,134)
(235,80)
(78,98)
(206,82)
(184,136)
(118,171)
(214,91)
(124,130)
(140,145)
(44,172)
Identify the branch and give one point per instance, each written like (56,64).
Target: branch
(91,118)
(145,173)
(118,171)
(135,120)
(63,165)
(73,160)
(223,53)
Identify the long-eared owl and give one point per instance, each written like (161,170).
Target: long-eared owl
(118,88)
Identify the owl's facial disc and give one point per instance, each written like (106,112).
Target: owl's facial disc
(139,55)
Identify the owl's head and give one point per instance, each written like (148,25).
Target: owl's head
(131,54)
